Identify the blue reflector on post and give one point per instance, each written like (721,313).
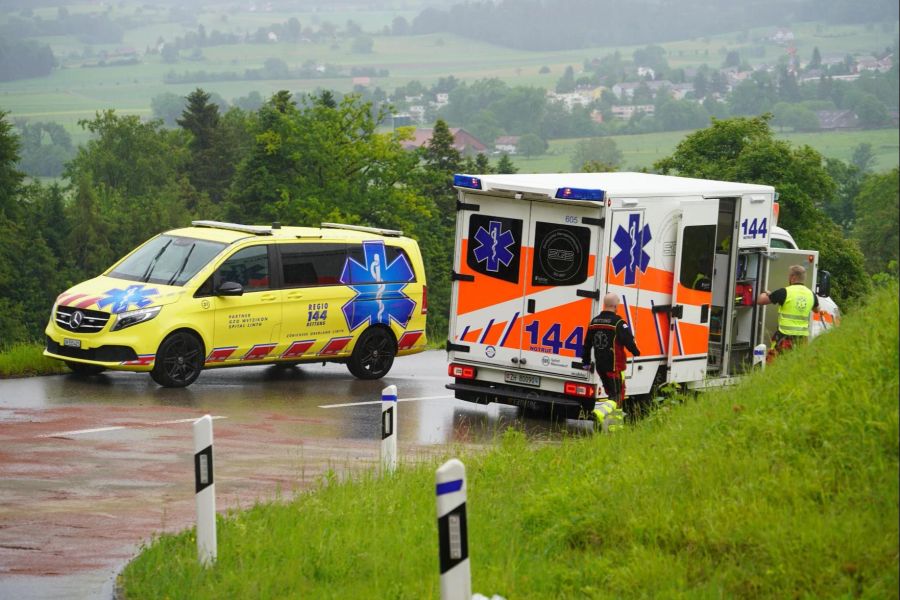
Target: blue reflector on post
(449,487)
(467,181)
(568,193)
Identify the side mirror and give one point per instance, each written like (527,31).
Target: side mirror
(230,288)
(823,284)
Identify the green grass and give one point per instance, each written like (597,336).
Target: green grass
(25,360)
(784,486)
(642,150)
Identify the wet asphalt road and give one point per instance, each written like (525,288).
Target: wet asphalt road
(91,467)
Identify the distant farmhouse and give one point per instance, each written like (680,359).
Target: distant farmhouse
(466,143)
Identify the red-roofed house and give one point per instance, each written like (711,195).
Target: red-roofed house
(463,141)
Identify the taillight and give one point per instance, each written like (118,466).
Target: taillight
(461,371)
(424,299)
(577,388)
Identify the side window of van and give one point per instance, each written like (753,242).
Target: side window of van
(305,265)
(248,267)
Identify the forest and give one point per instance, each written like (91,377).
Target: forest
(305,160)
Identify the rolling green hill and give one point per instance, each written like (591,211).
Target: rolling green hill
(783,486)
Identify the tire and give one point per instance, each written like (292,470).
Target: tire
(179,360)
(373,354)
(84,369)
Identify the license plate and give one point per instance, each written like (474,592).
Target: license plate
(70,343)
(523,378)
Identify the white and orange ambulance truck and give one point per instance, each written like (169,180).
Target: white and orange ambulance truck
(536,253)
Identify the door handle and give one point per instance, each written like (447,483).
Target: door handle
(294,296)
(678,311)
(268,297)
(531,305)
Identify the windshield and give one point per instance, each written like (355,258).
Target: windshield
(167,260)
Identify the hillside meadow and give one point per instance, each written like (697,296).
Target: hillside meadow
(785,486)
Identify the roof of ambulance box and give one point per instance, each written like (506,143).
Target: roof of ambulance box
(612,184)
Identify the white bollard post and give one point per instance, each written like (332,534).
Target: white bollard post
(759,356)
(205,489)
(453,537)
(389,428)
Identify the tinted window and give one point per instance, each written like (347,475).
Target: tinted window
(305,265)
(167,260)
(560,254)
(373,261)
(775,243)
(697,257)
(248,267)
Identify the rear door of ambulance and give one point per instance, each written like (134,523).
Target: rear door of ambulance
(525,285)
(488,274)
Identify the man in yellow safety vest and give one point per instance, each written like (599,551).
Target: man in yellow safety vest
(796,303)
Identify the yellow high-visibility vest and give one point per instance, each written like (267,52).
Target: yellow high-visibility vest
(793,315)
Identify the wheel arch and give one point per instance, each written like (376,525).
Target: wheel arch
(188,330)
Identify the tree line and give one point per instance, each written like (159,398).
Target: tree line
(305,160)
(296,160)
(573,24)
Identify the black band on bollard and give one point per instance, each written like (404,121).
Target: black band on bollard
(453,538)
(203,469)
(387,423)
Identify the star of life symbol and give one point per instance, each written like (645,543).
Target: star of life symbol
(121,300)
(631,256)
(375,301)
(494,246)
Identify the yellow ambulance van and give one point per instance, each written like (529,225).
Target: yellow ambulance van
(224,294)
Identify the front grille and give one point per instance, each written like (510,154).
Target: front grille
(92,321)
(101,354)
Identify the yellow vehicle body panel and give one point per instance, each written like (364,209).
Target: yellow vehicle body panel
(286,311)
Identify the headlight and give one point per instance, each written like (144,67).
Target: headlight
(133,317)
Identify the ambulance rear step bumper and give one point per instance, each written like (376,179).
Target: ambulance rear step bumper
(481,392)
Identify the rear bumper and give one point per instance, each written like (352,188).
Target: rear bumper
(482,392)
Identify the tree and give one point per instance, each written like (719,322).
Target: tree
(126,155)
(167,107)
(362,44)
(745,150)
(863,157)
(400,26)
(878,220)
(505,165)
(210,166)
(10,177)
(816,61)
(566,83)
(532,145)
(871,111)
(601,150)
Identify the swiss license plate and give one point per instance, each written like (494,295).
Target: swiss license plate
(522,378)
(70,343)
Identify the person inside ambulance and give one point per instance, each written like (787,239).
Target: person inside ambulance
(796,302)
(608,335)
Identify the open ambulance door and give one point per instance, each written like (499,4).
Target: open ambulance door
(779,262)
(692,290)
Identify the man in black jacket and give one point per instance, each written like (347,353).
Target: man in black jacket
(608,335)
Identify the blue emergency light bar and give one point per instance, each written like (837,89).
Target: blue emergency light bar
(467,181)
(568,193)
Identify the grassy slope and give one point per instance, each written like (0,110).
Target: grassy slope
(786,486)
(23,360)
